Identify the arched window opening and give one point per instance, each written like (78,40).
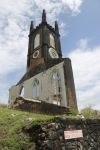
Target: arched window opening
(36,89)
(37,41)
(22,92)
(52,41)
(56,88)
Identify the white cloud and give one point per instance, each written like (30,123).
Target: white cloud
(73,5)
(15,17)
(3,95)
(55,7)
(86,66)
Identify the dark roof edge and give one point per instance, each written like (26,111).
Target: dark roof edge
(40,68)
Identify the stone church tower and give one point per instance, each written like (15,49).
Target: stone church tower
(48,77)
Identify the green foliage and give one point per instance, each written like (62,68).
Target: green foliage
(74,111)
(11,123)
(89,112)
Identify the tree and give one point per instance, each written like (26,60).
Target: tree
(89,112)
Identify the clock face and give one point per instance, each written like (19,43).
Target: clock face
(53,53)
(36,54)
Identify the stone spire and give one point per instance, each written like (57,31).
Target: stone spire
(56,27)
(44,16)
(31,26)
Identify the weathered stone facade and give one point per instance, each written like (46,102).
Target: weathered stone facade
(45,87)
(50,135)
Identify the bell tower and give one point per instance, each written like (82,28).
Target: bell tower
(44,43)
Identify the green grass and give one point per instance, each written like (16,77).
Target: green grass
(11,124)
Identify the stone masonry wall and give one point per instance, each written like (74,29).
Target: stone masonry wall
(39,107)
(50,135)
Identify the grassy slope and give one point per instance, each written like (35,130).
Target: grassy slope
(11,123)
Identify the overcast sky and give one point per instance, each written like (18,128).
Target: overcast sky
(79,23)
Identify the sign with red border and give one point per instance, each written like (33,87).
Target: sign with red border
(73,134)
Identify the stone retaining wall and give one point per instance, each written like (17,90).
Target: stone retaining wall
(50,136)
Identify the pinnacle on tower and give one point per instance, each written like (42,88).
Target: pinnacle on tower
(56,27)
(44,16)
(31,26)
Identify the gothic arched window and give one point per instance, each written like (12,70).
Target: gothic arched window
(56,88)
(35,88)
(52,41)
(21,92)
(37,40)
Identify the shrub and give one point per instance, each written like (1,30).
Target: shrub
(89,112)
(73,111)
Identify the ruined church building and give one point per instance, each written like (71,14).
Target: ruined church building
(48,77)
